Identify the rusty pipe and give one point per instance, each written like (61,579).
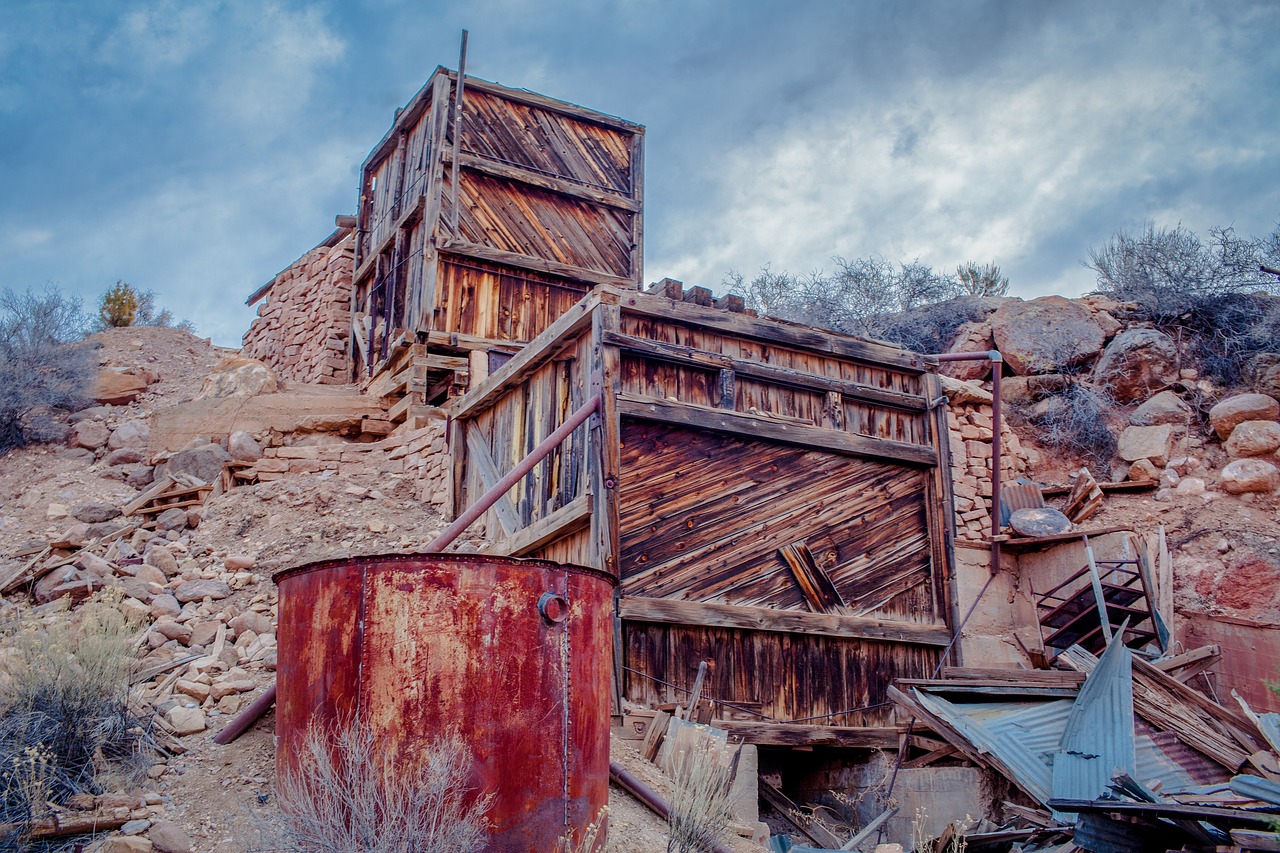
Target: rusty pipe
(631,783)
(516,474)
(247,717)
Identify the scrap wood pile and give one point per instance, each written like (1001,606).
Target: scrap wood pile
(1112,754)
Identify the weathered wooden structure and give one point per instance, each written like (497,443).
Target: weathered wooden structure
(485,213)
(770,496)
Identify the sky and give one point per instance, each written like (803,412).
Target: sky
(196,147)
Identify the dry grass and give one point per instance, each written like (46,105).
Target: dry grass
(348,797)
(701,772)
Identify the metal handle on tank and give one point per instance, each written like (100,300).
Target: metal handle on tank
(553,608)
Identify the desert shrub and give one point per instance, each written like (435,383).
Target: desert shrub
(931,328)
(985,280)
(65,722)
(701,772)
(119,306)
(44,365)
(1075,421)
(349,797)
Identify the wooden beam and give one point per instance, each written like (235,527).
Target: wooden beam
(569,519)
(528,262)
(689,356)
(792,813)
(776,332)
(411,212)
(818,590)
(561,186)
(763,428)
(798,734)
(703,614)
(478,456)
(533,99)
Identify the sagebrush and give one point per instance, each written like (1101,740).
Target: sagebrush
(347,796)
(701,770)
(66,726)
(1075,420)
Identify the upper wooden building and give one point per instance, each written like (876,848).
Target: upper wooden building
(485,213)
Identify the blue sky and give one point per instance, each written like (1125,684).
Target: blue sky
(196,148)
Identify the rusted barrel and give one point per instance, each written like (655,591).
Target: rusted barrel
(513,655)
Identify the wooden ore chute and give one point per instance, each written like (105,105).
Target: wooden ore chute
(769,495)
(548,205)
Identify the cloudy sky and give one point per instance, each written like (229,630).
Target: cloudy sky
(195,148)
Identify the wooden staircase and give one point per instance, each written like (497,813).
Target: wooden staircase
(411,380)
(1072,613)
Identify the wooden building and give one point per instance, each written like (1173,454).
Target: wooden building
(771,497)
(485,213)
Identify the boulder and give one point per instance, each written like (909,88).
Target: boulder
(44,590)
(203,461)
(89,434)
(186,721)
(1045,335)
(165,605)
(94,565)
(124,456)
(131,434)
(167,837)
(93,512)
(236,376)
(1266,379)
(120,385)
(959,393)
(1155,443)
(1136,363)
(162,558)
(126,843)
(139,476)
(1039,521)
(171,630)
(171,519)
(239,562)
(1143,471)
(1252,438)
(1164,408)
(200,589)
(243,447)
(1250,475)
(1243,407)
(251,620)
(971,337)
(1025,390)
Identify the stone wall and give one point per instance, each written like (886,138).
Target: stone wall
(969,424)
(303,327)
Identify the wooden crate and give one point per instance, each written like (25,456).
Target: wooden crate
(727,444)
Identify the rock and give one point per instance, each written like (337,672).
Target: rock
(1045,335)
(194,689)
(230,687)
(131,434)
(162,558)
(55,511)
(201,589)
(94,565)
(1250,475)
(171,519)
(236,376)
(269,660)
(137,589)
(93,512)
(1025,390)
(135,827)
(203,461)
(1164,408)
(89,434)
(1136,363)
(186,721)
(1041,521)
(959,393)
(92,413)
(45,589)
(971,337)
(251,620)
(120,385)
(1190,486)
(125,844)
(1253,438)
(78,455)
(167,837)
(1226,415)
(140,476)
(1109,324)
(171,630)
(1266,378)
(240,562)
(165,605)
(1155,443)
(243,447)
(150,574)
(123,456)
(204,633)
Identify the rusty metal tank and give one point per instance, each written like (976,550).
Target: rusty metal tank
(513,655)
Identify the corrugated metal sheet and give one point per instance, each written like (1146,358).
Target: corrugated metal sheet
(1269,725)
(1099,737)
(1256,787)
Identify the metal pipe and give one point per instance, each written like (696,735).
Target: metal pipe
(247,717)
(516,474)
(631,783)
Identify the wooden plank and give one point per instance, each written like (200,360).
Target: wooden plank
(533,99)
(540,350)
(1032,543)
(949,687)
(812,829)
(776,332)
(676,612)
(567,520)
(788,377)
(469,249)
(798,734)
(1040,677)
(1176,663)
(944,751)
(653,736)
(818,589)
(757,427)
(1174,811)
(479,457)
(562,186)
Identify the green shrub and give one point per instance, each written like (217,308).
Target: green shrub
(119,306)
